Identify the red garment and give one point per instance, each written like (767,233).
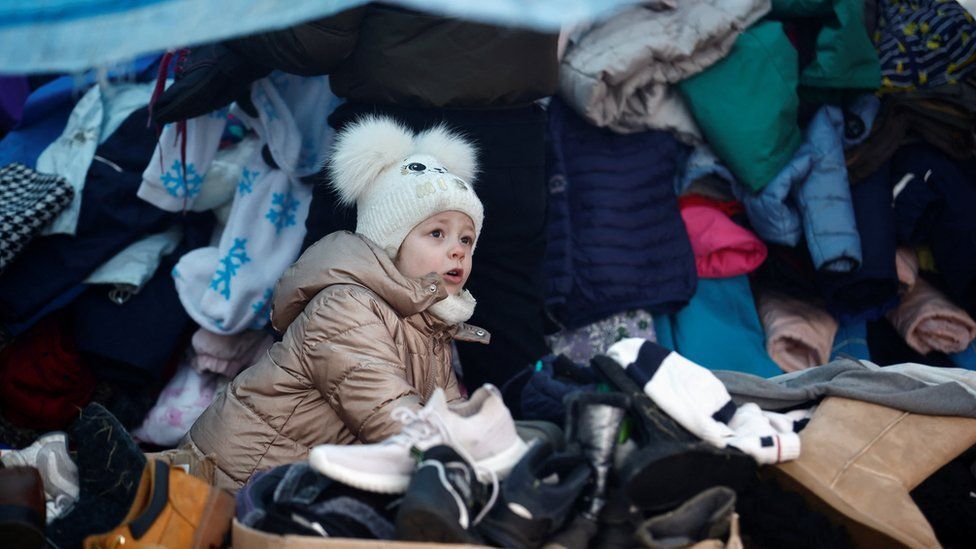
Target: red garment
(722,248)
(729,207)
(43,383)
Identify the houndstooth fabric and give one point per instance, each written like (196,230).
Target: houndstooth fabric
(28,201)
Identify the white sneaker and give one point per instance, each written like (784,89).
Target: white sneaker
(49,454)
(481,430)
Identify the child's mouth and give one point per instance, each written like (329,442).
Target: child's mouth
(454,276)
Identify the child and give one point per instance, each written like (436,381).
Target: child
(369,316)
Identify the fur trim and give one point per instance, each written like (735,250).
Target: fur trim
(362,151)
(454,309)
(457,154)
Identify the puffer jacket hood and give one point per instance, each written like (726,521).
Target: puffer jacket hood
(338,259)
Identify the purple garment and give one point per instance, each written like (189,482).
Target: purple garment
(13,94)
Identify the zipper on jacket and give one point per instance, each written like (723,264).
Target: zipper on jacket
(429,383)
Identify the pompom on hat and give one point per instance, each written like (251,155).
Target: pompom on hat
(397,178)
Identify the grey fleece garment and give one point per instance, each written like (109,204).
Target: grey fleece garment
(909,387)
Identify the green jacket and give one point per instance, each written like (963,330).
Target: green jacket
(844,60)
(746,104)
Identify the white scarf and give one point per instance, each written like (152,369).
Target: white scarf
(454,309)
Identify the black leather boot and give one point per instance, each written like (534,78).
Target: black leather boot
(672,464)
(592,429)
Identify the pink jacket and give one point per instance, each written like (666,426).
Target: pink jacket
(722,248)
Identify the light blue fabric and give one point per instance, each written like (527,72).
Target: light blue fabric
(94,119)
(71,35)
(811,197)
(719,329)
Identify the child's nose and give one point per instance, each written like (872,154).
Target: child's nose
(457,251)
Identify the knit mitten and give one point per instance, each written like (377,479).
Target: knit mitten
(767,441)
(687,392)
(695,398)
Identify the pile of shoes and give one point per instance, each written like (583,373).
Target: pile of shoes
(466,476)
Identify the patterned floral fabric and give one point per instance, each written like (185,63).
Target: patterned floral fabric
(924,43)
(583,343)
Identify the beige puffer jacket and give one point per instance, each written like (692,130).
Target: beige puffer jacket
(357,343)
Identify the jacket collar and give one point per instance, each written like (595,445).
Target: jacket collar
(347,258)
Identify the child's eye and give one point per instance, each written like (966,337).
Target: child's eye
(466,240)
(436,233)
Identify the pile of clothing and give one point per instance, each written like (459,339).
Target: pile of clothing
(642,447)
(725,212)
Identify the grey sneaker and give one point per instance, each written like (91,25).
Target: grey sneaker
(49,454)
(481,430)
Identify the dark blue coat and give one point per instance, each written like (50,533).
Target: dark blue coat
(616,238)
(936,204)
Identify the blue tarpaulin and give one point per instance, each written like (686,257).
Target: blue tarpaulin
(73,35)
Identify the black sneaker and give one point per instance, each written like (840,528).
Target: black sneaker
(536,498)
(444,500)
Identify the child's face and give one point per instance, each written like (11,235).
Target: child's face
(440,244)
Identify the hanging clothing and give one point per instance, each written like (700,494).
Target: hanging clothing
(799,334)
(924,44)
(583,343)
(933,204)
(719,329)
(750,123)
(92,122)
(134,341)
(28,202)
(844,60)
(913,388)
(48,107)
(110,219)
(619,73)
(722,248)
(225,287)
(616,239)
(942,116)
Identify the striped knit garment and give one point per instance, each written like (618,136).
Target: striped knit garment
(696,399)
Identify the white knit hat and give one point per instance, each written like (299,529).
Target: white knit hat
(397,178)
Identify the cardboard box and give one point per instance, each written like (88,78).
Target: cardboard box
(243,537)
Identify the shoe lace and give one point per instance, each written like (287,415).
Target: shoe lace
(58,507)
(426,425)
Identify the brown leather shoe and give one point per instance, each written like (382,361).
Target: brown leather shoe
(171,509)
(22,511)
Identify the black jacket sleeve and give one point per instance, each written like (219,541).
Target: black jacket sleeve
(308,49)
